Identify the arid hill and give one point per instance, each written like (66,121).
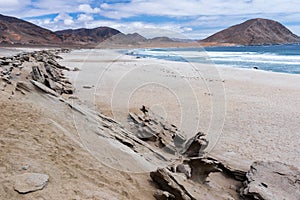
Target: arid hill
(255,32)
(85,36)
(128,39)
(14,31)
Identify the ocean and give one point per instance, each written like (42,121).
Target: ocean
(275,58)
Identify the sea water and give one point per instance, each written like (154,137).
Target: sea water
(276,58)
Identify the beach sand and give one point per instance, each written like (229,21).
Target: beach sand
(247,114)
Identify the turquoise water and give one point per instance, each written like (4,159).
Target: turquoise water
(276,58)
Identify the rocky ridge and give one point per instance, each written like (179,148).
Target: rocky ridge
(46,73)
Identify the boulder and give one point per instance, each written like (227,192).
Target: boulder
(30,182)
(195,146)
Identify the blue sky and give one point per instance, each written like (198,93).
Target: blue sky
(190,19)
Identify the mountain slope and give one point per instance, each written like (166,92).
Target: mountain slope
(17,31)
(255,32)
(84,36)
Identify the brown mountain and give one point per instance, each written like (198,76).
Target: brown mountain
(126,39)
(255,32)
(15,32)
(85,36)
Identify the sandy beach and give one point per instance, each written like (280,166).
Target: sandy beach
(248,115)
(84,142)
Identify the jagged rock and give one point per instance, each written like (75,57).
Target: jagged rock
(150,127)
(68,90)
(30,182)
(52,72)
(50,84)
(272,181)
(54,63)
(37,74)
(6,62)
(202,167)
(39,58)
(44,88)
(236,172)
(166,182)
(196,145)
(25,57)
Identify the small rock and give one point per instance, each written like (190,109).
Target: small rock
(163,195)
(26,167)
(73,97)
(30,182)
(26,57)
(7,78)
(87,86)
(185,169)
(76,69)
(16,63)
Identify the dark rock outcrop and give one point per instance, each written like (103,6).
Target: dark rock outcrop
(255,32)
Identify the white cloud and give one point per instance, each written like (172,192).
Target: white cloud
(9,2)
(67,19)
(197,7)
(86,8)
(85,18)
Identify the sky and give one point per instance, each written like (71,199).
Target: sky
(187,19)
